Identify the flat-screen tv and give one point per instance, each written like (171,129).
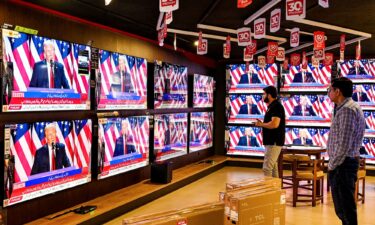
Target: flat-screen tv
(308,137)
(369,150)
(123,145)
(307,80)
(251,79)
(45,157)
(308,110)
(370,123)
(42,74)
(201,130)
(246,108)
(359,71)
(170,89)
(170,135)
(245,141)
(364,94)
(123,81)
(203,91)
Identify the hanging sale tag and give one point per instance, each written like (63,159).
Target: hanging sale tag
(243,3)
(295,9)
(261,61)
(328,59)
(259,28)
(319,40)
(280,54)
(168,17)
(295,59)
(202,47)
(275,20)
(294,37)
(319,54)
(244,36)
(272,48)
(168,5)
(247,56)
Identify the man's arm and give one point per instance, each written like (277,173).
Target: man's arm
(273,124)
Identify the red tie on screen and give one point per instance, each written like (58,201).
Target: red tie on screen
(249,79)
(248,141)
(124,145)
(122,81)
(53,161)
(51,80)
(248,109)
(359,97)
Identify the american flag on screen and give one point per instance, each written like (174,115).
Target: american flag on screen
(368,143)
(326,107)
(203,89)
(235,134)
(367,65)
(257,132)
(141,76)
(313,101)
(235,73)
(321,75)
(369,119)
(324,134)
(28,138)
(107,67)
(140,132)
(289,104)
(314,135)
(235,103)
(289,136)
(199,133)
(267,74)
(110,132)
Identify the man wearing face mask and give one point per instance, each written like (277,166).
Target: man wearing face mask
(48,73)
(273,131)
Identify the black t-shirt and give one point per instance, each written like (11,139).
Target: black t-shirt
(274,136)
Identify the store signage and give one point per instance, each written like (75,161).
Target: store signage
(295,9)
(226,51)
(280,54)
(244,36)
(243,3)
(253,47)
(358,51)
(272,48)
(295,59)
(270,59)
(319,40)
(275,20)
(202,47)
(319,54)
(328,59)
(228,44)
(294,37)
(324,3)
(168,17)
(342,42)
(261,61)
(286,64)
(168,5)
(247,56)
(304,61)
(259,28)
(315,62)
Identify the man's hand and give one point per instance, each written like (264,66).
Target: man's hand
(258,123)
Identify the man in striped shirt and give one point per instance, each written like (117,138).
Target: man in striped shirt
(345,139)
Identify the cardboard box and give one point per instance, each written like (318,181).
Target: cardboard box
(253,182)
(166,220)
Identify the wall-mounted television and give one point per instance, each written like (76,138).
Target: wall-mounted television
(203,95)
(44,74)
(364,95)
(170,135)
(369,150)
(308,137)
(359,71)
(308,110)
(251,78)
(123,81)
(45,157)
(170,89)
(370,123)
(123,144)
(246,108)
(245,141)
(201,130)
(307,80)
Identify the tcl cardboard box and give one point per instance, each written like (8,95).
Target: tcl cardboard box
(259,208)
(211,214)
(253,182)
(166,220)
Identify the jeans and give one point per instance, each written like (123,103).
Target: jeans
(342,180)
(271,155)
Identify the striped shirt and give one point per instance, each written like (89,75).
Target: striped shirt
(346,133)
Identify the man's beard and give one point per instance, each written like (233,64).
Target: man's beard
(266,100)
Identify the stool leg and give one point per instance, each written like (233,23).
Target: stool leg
(363,190)
(314,193)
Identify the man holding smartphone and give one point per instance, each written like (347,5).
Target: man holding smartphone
(273,131)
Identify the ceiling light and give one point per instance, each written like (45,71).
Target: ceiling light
(107,2)
(195,43)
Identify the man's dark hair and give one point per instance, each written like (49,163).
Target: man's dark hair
(271,90)
(344,84)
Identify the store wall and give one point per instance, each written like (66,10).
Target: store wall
(80,32)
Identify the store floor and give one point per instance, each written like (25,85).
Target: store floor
(207,189)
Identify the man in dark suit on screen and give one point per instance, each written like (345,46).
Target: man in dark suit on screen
(124,143)
(357,69)
(48,73)
(168,134)
(303,138)
(303,77)
(121,80)
(52,155)
(247,139)
(249,78)
(359,95)
(249,107)
(303,109)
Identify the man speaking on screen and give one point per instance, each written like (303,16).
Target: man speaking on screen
(52,155)
(48,73)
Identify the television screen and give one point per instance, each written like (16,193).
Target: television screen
(251,79)
(201,130)
(123,144)
(370,123)
(203,91)
(123,81)
(310,79)
(170,86)
(364,94)
(369,150)
(45,157)
(245,141)
(246,108)
(44,74)
(170,135)
(308,110)
(359,71)
(308,137)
